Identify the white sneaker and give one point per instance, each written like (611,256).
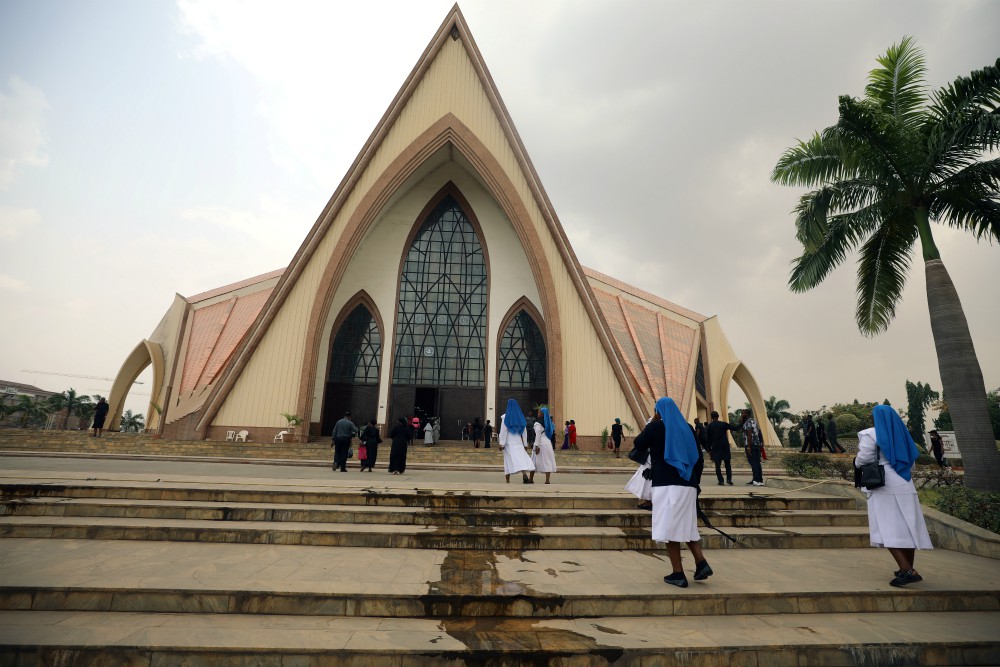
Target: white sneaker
(758,483)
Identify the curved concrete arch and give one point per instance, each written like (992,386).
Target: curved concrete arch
(738,372)
(144,354)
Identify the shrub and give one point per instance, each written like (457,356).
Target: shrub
(847,423)
(980,508)
(794,438)
(926,460)
(818,466)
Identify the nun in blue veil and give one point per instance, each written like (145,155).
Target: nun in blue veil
(676,473)
(895,520)
(512,440)
(543,454)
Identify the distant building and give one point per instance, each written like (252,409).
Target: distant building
(9,391)
(437,281)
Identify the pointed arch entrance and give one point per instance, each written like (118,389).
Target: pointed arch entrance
(353,374)
(439,360)
(522,359)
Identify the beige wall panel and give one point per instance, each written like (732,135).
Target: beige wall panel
(269,383)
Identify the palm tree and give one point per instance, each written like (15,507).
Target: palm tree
(777,412)
(29,410)
(69,401)
(896,160)
(131,422)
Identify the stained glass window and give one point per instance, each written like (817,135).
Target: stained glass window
(522,354)
(699,377)
(441,316)
(357,349)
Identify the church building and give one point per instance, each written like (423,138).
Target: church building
(437,282)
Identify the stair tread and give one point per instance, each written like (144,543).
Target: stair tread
(379,636)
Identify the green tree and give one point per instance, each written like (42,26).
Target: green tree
(131,422)
(29,411)
(69,401)
(777,414)
(918,397)
(896,160)
(943,421)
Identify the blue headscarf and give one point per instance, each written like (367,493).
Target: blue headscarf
(514,418)
(550,429)
(894,440)
(679,448)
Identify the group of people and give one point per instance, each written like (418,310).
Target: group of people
(671,477)
(815,435)
(477,432)
(514,442)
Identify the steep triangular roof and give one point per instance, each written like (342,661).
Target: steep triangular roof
(453,27)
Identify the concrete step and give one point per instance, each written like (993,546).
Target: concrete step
(356,514)
(111,638)
(378,494)
(415,537)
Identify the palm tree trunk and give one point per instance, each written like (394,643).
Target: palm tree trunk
(962,379)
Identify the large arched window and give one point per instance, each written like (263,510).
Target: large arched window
(522,354)
(441,317)
(357,349)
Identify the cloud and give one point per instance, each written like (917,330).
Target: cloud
(9,284)
(22,130)
(15,221)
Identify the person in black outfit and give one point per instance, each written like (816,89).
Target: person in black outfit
(675,487)
(401,435)
(371,440)
(477,431)
(487,433)
(717,445)
(810,444)
(343,431)
(616,437)
(937,448)
(100,414)
(701,434)
(831,432)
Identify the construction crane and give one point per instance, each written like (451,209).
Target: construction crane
(72,375)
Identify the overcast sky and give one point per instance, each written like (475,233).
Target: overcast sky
(148,148)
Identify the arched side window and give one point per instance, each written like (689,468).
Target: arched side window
(357,349)
(522,354)
(441,317)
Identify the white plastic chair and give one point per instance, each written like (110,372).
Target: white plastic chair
(230,436)
(241,436)
(280,437)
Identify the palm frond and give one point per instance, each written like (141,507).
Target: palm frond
(978,91)
(815,208)
(882,268)
(877,143)
(898,88)
(820,159)
(972,209)
(843,234)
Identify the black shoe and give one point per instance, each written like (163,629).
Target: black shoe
(908,577)
(645,506)
(702,571)
(730,482)
(750,483)
(676,579)
(722,483)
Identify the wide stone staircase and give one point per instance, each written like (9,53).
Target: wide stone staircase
(102,567)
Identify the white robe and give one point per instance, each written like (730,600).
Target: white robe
(515,459)
(428,435)
(545,458)
(894,515)
(639,486)
(675,514)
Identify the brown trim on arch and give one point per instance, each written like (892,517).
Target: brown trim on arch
(523,303)
(447,189)
(361,298)
(447,129)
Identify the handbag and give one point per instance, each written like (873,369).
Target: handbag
(870,475)
(350,452)
(637,455)
(362,453)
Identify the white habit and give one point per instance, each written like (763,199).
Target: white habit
(894,515)
(639,486)
(428,434)
(675,514)
(545,458)
(515,459)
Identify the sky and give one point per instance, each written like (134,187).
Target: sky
(148,148)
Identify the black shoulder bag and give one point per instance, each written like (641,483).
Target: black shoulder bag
(870,475)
